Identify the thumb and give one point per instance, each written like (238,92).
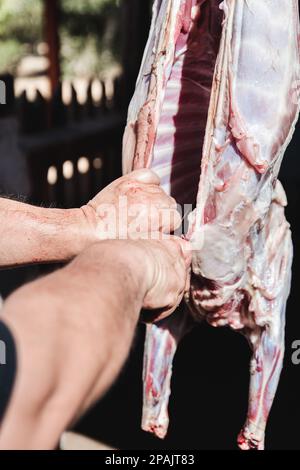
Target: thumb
(145,176)
(186,249)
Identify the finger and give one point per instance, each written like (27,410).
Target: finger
(144,176)
(172,305)
(163,200)
(187,282)
(165,313)
(169,220)
(185,249)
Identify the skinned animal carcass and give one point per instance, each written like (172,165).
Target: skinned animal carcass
(214,110)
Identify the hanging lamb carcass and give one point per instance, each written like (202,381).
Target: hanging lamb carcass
(214,110)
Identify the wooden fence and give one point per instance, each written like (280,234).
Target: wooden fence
(72,150)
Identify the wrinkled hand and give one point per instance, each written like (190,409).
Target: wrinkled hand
(132,205)
(168,276)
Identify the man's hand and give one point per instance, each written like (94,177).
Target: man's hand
(167,266)
(132,205)
(74,328)
(129,206)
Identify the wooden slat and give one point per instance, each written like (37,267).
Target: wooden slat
(51,24)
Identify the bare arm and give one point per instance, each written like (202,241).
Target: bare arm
(30,234)
(73,330)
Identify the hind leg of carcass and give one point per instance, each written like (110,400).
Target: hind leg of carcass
(162,339)
(271,275)
(265,369)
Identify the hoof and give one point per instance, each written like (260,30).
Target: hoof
(251,438)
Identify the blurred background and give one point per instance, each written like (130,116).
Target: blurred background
(84,42)
(70,67)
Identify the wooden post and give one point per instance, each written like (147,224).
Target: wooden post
(8,107)
(136,17)
(51,13)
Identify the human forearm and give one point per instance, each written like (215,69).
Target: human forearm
(32,234)
(73,331)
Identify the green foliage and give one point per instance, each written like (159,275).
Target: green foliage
(20,20)
(11,52)
(89,33)
(93,7)
(20,29)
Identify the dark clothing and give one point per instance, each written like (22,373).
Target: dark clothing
(8,366)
